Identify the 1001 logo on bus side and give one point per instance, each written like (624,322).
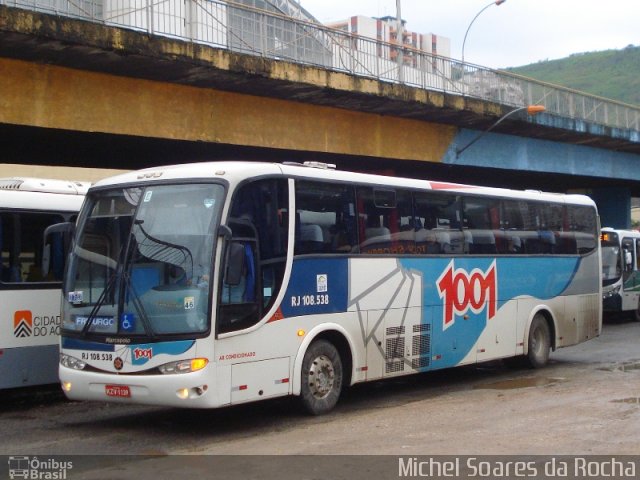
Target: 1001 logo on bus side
(463,291)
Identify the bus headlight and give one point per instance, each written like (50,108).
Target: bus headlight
(184,366)
(71,362)
(611,293)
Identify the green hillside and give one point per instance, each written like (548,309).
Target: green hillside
(613,74)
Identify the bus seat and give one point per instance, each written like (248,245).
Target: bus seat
(514,243)
(311,239)
(454,241)
(444,240)
(482,241)
(429,240)
(380,233)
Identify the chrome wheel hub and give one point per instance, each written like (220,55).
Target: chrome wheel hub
(321,377)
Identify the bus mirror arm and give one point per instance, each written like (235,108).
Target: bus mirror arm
(235,264)
(63,228)
(233,255)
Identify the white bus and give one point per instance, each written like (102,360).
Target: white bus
(215,284)
(621,271)
(30,315)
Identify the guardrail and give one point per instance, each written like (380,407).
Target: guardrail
(242,28)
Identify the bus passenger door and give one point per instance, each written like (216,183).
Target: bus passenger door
(255,255)
(631,282)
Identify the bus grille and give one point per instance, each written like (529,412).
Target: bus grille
(421,345)
(395,366)
(398,358)
(395,330)
(395,348)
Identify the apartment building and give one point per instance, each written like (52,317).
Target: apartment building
(386,29)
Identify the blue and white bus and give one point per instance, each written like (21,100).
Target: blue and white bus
(214,284)
(30,298)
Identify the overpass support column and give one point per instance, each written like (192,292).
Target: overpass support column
(614,206)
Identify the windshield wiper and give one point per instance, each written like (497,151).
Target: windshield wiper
(137,304)
(103,296)
(163,251)
(99,303)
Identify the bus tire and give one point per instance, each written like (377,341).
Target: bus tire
(539,342)
(636,312)
(321,377)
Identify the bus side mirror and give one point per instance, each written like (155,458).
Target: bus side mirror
(235,264)
(62,228)
(225,232)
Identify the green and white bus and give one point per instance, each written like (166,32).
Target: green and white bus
(621,271)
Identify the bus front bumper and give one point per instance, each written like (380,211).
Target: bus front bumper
(612,302)
(187,390)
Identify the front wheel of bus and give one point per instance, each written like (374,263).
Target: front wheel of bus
(321,377)
(539,342)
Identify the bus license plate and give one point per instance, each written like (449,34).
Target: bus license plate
(120,391)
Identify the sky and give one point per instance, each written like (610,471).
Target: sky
(515,33)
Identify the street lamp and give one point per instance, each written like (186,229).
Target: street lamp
(531,110)
(496,2)
(400,40)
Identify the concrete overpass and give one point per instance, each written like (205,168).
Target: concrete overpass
(86,94)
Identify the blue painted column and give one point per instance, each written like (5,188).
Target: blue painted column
(614,206)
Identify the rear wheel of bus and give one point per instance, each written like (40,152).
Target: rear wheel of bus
(321,377)
(539,342)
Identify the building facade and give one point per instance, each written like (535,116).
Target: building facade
(372,51)
(385,29)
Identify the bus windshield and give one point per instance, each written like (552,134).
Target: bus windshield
(141,262)
(611,259)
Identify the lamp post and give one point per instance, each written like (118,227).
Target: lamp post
(495,2)
(531,110)
(400,40)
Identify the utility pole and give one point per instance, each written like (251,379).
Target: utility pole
(400,40)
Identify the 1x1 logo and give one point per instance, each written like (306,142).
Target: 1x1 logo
(462,291)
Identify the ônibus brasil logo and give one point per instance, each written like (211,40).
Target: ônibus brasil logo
(463,291)
(38,469)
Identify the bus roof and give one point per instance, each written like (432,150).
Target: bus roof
(27,193)
(628,233)
(238,171)
(44,185)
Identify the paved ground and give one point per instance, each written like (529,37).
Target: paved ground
(587,401)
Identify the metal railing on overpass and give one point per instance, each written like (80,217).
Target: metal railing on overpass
(293,37)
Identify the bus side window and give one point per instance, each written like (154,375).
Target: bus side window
(513,225)
(482,223)
(628,252)
(21,242)
(437,223)
(385,221)
(581,229)
(325,218)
